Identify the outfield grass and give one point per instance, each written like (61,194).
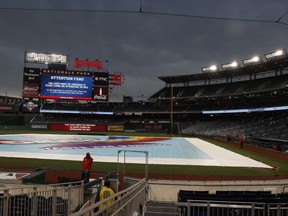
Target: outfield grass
(184,170)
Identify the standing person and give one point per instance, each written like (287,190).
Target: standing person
(86,167)
(228,137)
(106,192)
(241,140)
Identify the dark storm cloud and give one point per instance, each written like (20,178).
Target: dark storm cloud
(141,45)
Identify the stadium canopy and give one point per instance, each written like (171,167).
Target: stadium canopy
(278,63)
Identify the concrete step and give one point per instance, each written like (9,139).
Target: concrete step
(158,208)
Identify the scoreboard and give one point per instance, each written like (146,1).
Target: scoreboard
(65,84)
(66,87)
(55,81)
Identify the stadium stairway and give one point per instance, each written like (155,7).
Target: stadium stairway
(158,208)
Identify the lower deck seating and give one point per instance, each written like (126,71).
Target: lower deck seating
(247,196)
(257,203)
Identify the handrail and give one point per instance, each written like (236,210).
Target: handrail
(118,197)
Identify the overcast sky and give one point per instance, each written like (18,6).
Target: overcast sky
(143,46)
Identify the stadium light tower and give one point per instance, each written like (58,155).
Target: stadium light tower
(171,110)
(107,64)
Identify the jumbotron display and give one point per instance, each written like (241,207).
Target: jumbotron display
(65,84)
(66,87)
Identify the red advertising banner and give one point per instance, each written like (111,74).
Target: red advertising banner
(6,108)
(77,127)
(30,90)
(86,63)
(117,79)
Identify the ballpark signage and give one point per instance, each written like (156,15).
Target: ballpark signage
(86,63)
(30,90)
(117,78)
(100,94)
(66,72)
(101,79)
(30,106)
(39,126)
(45,58)
(31,75)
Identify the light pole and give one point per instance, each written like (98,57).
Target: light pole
(107,65)
(171,110)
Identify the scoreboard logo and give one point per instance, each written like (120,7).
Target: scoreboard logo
(101,79)
(31,75)
(100,94)
(30,90)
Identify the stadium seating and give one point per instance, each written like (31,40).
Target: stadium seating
(247,196)
(262,84)
(230,202)
(249,125)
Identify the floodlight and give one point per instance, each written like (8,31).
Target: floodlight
(211,68)
(231,65)
(254,60)
(234,64)
(275,54)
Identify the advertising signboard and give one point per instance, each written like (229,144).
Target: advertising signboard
(45,58)
(100,93)
(100,79)
(77,127)
(31,75)
(30,90)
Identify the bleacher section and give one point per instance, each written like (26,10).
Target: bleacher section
(245,196)
(233,203)
(217,90)
(268,125)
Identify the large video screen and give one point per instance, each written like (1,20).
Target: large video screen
(74,87)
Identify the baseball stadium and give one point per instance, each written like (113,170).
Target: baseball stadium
(211,143)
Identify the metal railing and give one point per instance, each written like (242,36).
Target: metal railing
(232,208)
(52,200)
(125,203)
